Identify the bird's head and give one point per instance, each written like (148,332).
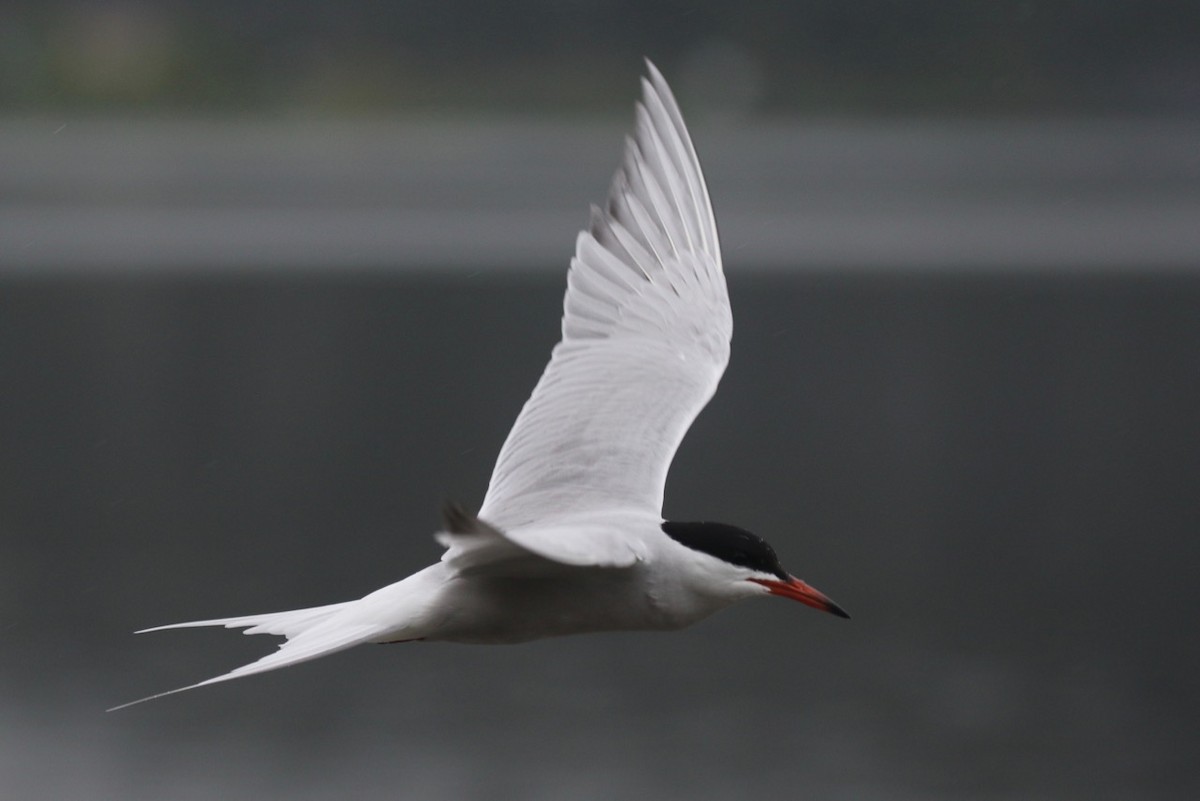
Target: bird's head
(747,562)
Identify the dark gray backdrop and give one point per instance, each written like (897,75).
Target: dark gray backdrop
(995,474)
(276,279)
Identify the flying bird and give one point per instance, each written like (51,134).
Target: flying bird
(570,537)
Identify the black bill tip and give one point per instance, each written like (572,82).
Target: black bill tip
(834,609)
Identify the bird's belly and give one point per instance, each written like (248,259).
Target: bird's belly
(500,610)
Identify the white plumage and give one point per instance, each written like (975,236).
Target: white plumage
(570,537)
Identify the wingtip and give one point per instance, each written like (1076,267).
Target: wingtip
(651,69)
(653,83)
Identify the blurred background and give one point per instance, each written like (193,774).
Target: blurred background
(276,279)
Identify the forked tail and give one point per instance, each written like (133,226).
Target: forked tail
(310,633)
(285,624)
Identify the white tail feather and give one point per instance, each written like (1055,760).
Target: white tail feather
(293,652)
(285,624)
(401,611)
(307,639)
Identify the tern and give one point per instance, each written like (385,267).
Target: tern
(570,537)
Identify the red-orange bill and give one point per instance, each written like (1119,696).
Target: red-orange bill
(797,590)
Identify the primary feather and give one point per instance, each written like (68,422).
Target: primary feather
(578,484)
(645,339)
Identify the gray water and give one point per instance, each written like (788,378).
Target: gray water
(995,472)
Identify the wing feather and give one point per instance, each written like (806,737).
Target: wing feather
(645,339)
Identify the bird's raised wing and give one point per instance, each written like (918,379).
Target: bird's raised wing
(645,338)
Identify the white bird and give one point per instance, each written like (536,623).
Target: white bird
(570,537)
